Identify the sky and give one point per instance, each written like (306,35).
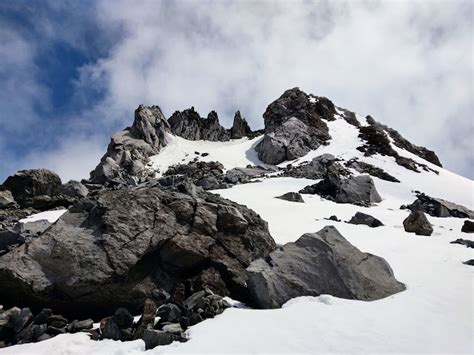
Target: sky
(73,72)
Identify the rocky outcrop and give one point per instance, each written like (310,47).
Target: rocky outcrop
(366,168)
(366,219)
(402,143)
(465,242)
(417,223)
(208,175)
(438,207)
(317,168)
(468,227)
(358,190)
(132,241)
(378,142)
(294,125)
(190,125)
(292,197)
(240,128)
(129,150)
(73,188)
(6,199)
(331,266)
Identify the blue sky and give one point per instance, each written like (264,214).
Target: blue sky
(72,72)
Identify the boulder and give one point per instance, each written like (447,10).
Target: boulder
(292,197)
(358,190)
(294,125)
(27,184)
(368,220)
(331,266)
(468,227)
(123,318)
(438,207)
(133,241)
(417,223)
(73,188)
(6,199)
(154,338)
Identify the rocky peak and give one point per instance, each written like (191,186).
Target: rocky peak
(129,150)
(240,127)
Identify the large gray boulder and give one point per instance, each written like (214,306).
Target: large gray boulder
(438,207)
(25,185)
(294,125)
(320,263)
(358,190)
(129,150)
(417,223)
(115,248)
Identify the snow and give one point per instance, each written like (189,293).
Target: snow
(232,154)
(50,216)
(434,314)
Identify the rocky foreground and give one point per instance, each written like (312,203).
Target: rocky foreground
(136,241)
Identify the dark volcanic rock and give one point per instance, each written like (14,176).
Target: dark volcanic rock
(294,125)
(132,241)
(366,168)
(417,223)
(468,227)
(331,266)
(357,190)
(469,262)
(240,127)
(466,242)
(25,185)
(128,150)
(292,197)
(437,207)
(190,125)
(368,220)
(317,168)
(154,338)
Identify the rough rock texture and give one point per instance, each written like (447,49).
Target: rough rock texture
(130,241)
(190,125)
(128,150)
(294,125)
(240,128)
(366,168)
(244,175)
(73,188)
(6,199)
(317,168)
(417,223)
(358,190)
(208,175)
(468,227)
(401,142)
(292,197)
(368,220)
(378,142)
(331,266)
(438,207)
(25,185)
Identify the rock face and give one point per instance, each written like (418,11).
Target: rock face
(127,243)
(208,175)
(468,227)
(417,223)
(294,125)
(292,197)
(437,207)
(6,199)
(28,184)
(368,220)
(358,190)
(190,125)
(240,127)
(128,150)
(331,266)
(365,168)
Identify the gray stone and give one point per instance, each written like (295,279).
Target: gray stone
(465,242)
(331,266)
(368,220)
(417,223)
(147,320)
(173,328)
(292,197)
(190,125)
(57,321)
(80,325)
(438,207)
(111,330)
(154,338)
(73,188)
(168,312)
(19,319)
(42,317)
(468,227)
(6,199)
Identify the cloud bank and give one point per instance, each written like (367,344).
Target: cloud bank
(408,64)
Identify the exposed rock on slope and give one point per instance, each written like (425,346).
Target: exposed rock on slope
(115,248)
(358,190)
(128,150)
(417,223)
(368,220)
(468,227)
(317,168)
(320,263)
(294,125)
(240,127)
(438,207)
(366,168)
(292,197)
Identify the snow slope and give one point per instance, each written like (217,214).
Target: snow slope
(434,314)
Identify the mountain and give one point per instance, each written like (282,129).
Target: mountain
(359,239)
